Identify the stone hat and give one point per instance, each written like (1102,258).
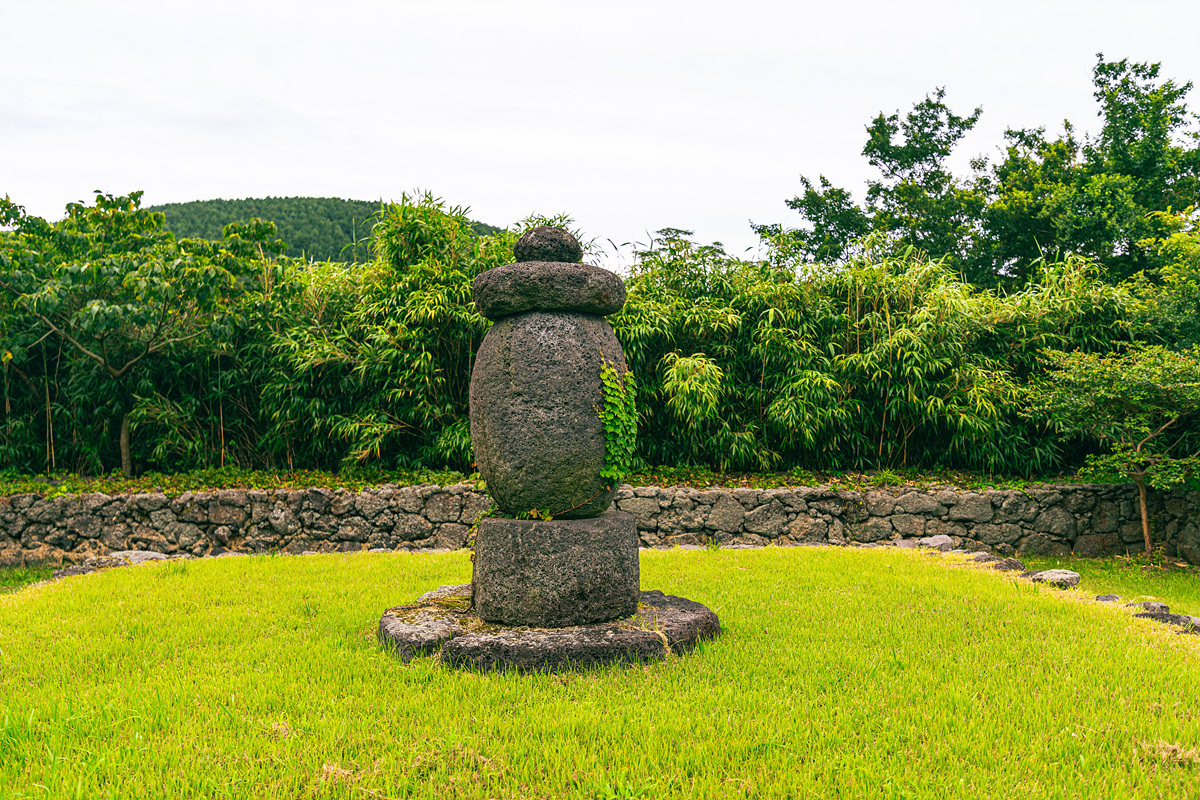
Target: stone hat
(547,278)
(545,243)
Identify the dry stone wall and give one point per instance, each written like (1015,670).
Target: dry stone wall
(71,529)
(1087,520)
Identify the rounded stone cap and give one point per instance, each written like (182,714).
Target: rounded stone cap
(545,243)
(547,286)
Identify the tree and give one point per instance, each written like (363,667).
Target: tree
(390,376)
(1026,192)
(1171,307)
(116,288)
(1144,134)
(1044,198)
(1101,197)
(836,223)
(1141,405)
(918,202)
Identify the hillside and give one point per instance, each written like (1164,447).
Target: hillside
(317,228)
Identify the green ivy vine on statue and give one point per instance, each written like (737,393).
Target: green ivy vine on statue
(620,419)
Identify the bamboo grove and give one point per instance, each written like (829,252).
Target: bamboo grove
(126,348)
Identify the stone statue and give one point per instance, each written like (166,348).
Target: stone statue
(540,445)
(556,581)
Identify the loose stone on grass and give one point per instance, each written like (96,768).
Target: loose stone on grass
(131,557)
(69,572)
(1183,620)
(1151,607)
(119,558)
(1062,578)
(940,542)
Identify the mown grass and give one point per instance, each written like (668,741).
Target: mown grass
(13,578)
(851,673)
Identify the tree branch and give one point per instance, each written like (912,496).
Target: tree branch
(160,345)
(63,334)
(1161,428)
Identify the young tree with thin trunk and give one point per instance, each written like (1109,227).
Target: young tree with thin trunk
(1143,405)
(115,287)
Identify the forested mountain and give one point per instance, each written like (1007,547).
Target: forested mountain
(317,228)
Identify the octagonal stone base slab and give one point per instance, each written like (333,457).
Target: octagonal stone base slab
(663,625)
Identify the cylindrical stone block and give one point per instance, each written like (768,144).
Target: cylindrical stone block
(556,573)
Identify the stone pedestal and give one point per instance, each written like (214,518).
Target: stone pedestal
(556,573)
(442,622)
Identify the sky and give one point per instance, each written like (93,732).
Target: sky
(628,116)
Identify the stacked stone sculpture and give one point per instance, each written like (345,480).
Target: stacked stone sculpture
(535,388)
(540,445)
(557,567)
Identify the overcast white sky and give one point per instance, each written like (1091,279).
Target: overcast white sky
(630,116)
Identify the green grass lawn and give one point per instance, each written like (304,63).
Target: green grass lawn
(13,578)
(840,673)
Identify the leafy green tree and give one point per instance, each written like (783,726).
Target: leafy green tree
(1170,307)
(836,223)
(1027,190)
(917,201)
(1101,197)
(1142,405)
(1045,198)
(113,286)
(389,377)
(1145,135)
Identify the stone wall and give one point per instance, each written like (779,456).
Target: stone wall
(1088,520)
(70,529)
